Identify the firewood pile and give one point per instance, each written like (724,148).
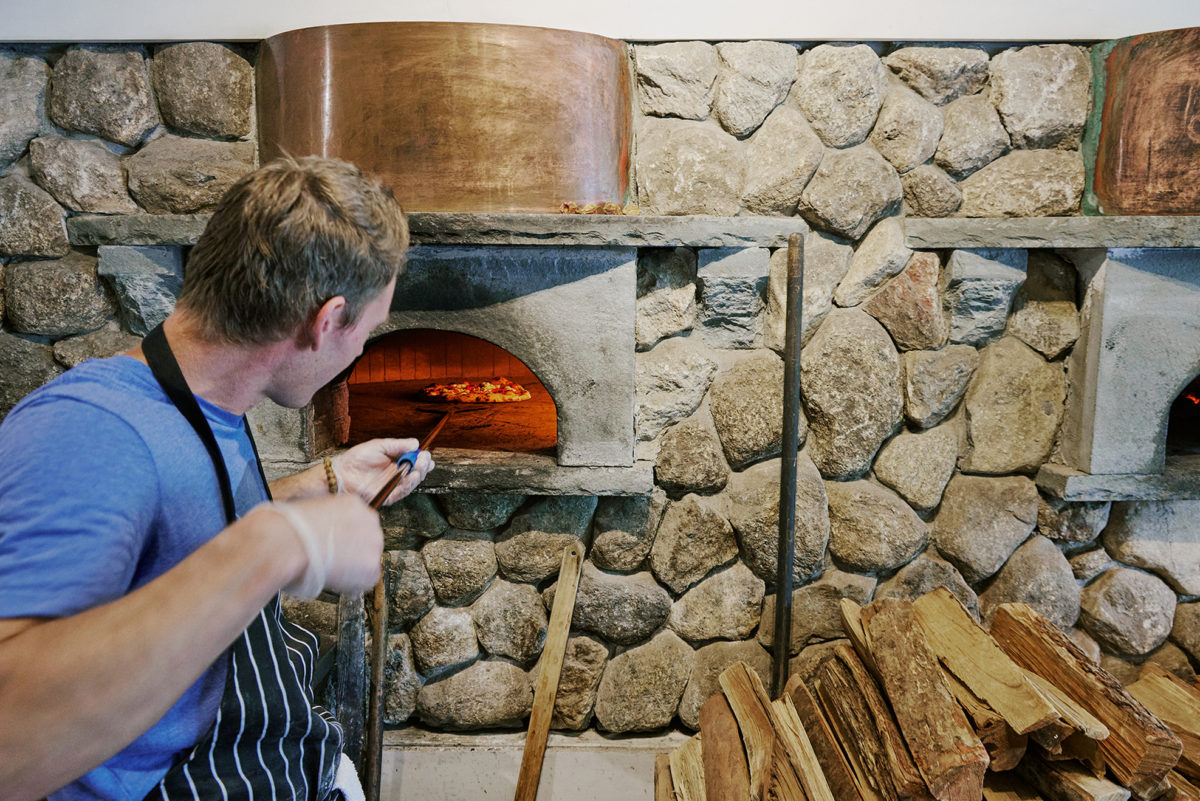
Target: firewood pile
(925,704)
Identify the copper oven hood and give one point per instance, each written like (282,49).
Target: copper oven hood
(454,116)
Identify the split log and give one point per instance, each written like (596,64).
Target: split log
(687,770)
(1072,714)
(1140,749)
(944,747)
(664,788)
(789,732)
(1064,781)
(726,773)
(864,726)
(1177,704)
(1004,746)
(976,660)
(1007,787)
(1184,789)
(1082,749)
(829,753)
(852,625)
(744,691)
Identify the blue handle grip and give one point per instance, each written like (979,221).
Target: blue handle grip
(409,458)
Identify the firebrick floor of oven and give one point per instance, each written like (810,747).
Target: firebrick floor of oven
(437,766)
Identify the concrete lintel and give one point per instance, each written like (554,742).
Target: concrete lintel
(1180,480)
(925,233)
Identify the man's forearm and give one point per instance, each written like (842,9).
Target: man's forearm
(74,691)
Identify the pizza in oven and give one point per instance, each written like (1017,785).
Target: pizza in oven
(495,390)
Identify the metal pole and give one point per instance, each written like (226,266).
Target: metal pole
(787,472)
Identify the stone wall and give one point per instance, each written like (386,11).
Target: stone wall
(934,382)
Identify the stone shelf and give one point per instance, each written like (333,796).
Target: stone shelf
(458,469)
(1180,480)
(564,230)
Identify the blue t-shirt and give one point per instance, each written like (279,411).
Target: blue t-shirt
(106,487)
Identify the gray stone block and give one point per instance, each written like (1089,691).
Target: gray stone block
(146,280)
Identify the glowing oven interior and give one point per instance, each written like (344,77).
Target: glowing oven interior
(385,397)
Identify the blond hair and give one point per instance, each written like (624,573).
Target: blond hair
(285,239)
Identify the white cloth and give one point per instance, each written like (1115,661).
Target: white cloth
(347,781)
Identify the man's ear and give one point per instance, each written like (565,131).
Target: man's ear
(324,322)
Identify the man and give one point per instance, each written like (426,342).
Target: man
(142,653)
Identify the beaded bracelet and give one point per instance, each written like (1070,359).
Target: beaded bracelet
(331,476)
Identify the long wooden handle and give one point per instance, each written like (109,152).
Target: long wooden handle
(547,682)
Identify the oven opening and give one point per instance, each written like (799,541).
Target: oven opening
(386,398)
(1183,421)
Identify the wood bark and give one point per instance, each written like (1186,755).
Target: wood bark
(687,770)
(789,732)
(1177,704)
(829,753)
(1004,746)
(944,747)
(1065,781)
(726,773)
(1140,749)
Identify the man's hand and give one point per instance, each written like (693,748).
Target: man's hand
(342,542)
(362,469)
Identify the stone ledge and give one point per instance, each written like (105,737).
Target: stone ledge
(1180,480)
(924,233)
(927,233)
(530,474)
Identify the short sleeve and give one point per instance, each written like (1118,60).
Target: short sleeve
(78,498)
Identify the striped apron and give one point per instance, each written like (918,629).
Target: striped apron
(269,741)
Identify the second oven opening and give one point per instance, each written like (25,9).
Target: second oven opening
(385,395)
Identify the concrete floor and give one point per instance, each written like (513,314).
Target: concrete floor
(430,766)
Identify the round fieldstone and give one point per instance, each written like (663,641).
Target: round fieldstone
(1160,536)
(816,609)
(982,521)
(1127,611)
(753,507)
(725,606)
(460,565)
(486,695)
(1089,564)
(1013,409)
(56,298)
(24,366)
(908,129)
(710,662)
(103,90)
(1090,648)
(929,192)
(23,82)
(401,682)
(1073,522)
(972,136)
(82,175)
(826,262)
(174,175)
(745,401)
(1044,315)
(1185,629)
(1043,93)
(872,529)
(918,465)
(641,687)
(204,89)
(850,190)
(935,381)
(666,294)
(910,305)
(670,382)
(532,546)
(693,538)
(32,223)
(924,574)
(754,77)
(479,511)
(676,79)
(442,639)
(1025,183)
(685,167)
(1039,575)
(939,73)
(411,519)
(510,621)
(578,681)
(108,341)
(622,609)
(410,592)
(882,254)
(1172,659)
(781,156)
(623,530)
(850,374)
(840,90)
(690,458)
